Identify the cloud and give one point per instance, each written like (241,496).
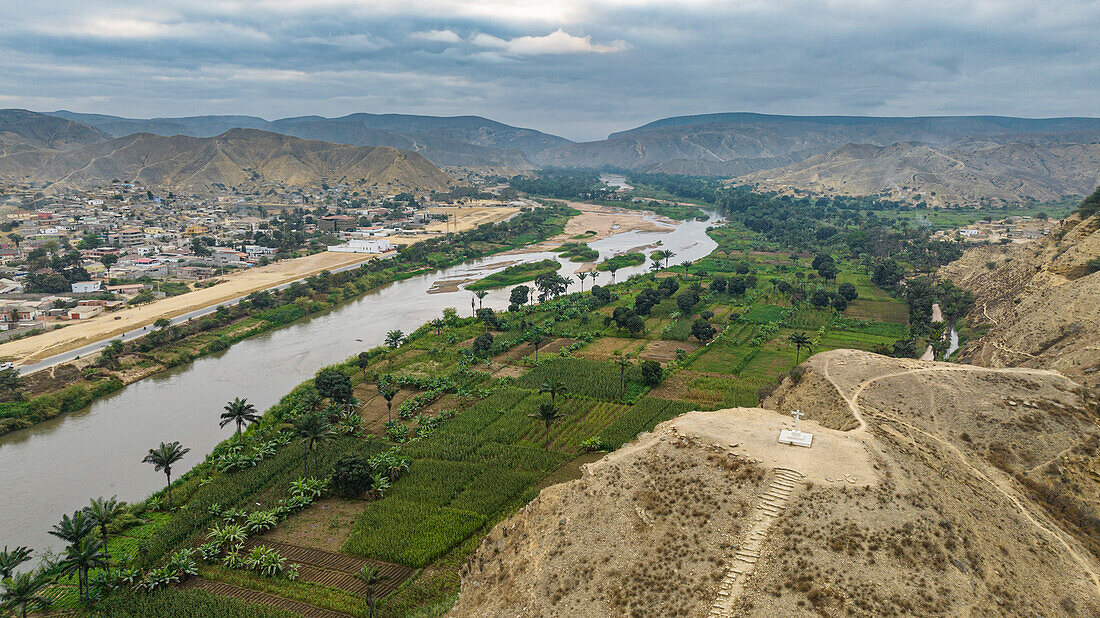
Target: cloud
(440,36)
(557,42)
(551,65)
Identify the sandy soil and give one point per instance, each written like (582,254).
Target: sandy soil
(103,326)
(462,218)
(325,525)
(915,510)
(604,221)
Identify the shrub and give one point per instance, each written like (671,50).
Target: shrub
(351,475)
(651,372)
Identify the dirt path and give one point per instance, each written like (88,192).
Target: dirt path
(263,598)
(1002,486)
(769,506)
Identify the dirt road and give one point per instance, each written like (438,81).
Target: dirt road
(104,326)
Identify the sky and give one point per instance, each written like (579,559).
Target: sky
(576,69)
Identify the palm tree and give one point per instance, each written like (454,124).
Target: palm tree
(624,363)
(612,267)
(239,411)
(75,528)
(103,511)
(310,401)
(371,577)
(16,240)
(800,340)
(595,275)
(11,559)
(481,294)
(581,277)
(394,338)
(548,413)
(388,391)
(162,458)
(83,556)
(554,386)
(667,254)
(21,590)
(312,431)
(536,337)
(437,325)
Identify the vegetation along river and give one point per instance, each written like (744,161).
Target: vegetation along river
(55,467)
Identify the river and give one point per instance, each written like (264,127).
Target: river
(55,467)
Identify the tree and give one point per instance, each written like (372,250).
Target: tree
(483,345)
(312,430)
(800,340)
(163,458)
(536,338)
(352,475)
(239,411)
(10,380)
(371,577)
(21,591)
(72,529)
(388,390)
(437,325)
(612,267)
(333,384)
(104,511)
(394,339)
(820,298)
(624,362)
(547,413)
(519,296)
(554,387)
(666,255)
(481,294)
(652,374)
(83,556)
(581,277)
(108,260)
(551,285)
(702,330)
(16,239)
(686,302)
(161,323)
(10,559)
(848,291)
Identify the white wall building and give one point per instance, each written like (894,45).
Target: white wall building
(362,245)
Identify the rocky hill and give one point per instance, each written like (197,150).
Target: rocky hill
(239,158)
(929,489)
(969,173)
(21,129)
(460,141)
(1038,301)
(741,143)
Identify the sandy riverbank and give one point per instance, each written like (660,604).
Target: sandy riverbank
(84,332)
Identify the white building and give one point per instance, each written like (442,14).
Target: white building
(84,287)
(362,245)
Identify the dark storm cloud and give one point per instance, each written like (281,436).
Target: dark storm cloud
(580,69)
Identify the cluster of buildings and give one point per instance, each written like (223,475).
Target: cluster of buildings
(1011,229)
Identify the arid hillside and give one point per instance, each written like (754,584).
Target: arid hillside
(968,173)
(239,158)
(930,489)
(1037,300)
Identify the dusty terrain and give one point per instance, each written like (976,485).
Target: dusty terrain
(105,325)
(1040,307)
(925,503)
(462,218)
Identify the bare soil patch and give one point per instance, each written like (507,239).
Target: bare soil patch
(664,351)
(325,525)
(526,349)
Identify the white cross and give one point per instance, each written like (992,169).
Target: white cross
(797,414)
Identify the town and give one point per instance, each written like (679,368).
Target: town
(75,256)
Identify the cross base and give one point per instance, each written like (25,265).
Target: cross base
(795,437)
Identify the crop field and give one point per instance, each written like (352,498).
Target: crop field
(587,378)
(409,533)
(878,310)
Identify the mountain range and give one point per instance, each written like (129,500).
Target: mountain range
(944,160)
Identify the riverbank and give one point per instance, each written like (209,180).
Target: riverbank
(107,325)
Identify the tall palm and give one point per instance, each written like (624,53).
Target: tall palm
(612,267)
(75,528)
(83,556)
(581,277)
(624,362)
(800,340)
(371,578)
(104,511)
(536,337)
(312,431)
(239,411)
(481,294)
(310,402)
(667,255)
(10,559)
(388,391)
(163,458)
(547,413)
(394,338)
(555,387)
(595,276)
(21,591)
